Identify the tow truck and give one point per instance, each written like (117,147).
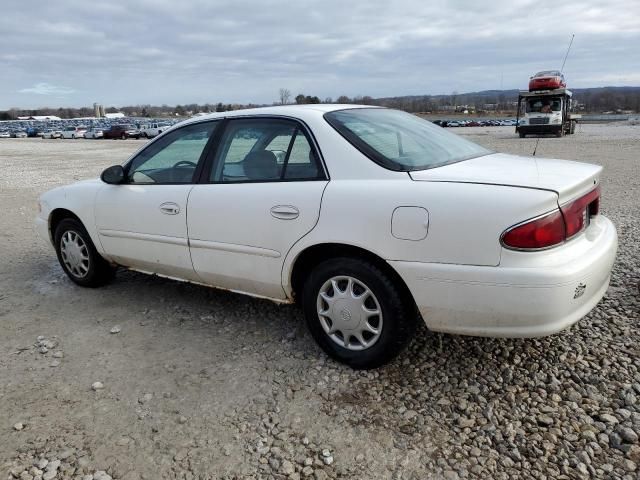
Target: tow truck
(546,111)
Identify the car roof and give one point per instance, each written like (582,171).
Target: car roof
(296,111)
(548,72)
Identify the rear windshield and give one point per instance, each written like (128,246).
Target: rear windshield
(400,141)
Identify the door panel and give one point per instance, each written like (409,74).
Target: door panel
(137,230)
(236,240)
(143,224)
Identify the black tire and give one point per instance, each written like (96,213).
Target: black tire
(522,134)
(99,271)
(399,316)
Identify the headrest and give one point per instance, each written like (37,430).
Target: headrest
(261,165)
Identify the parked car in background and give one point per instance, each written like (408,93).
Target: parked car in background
(93,133)
(5,135)
(121,131)
(52,134)
(547,80)
(19,134)
(367,217)
(151,130)
(74,132)
(33,132)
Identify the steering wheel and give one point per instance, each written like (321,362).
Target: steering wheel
(184,163)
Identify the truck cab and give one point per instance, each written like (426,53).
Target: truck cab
(545,112)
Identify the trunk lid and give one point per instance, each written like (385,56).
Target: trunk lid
(567,178)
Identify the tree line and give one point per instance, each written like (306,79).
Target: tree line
(589,100)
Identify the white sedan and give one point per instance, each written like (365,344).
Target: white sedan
(74,132)
(93,133)
(369,218)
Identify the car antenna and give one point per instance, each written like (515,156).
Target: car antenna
(535,149)
(567,54)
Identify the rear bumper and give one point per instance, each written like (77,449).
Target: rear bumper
(530,294)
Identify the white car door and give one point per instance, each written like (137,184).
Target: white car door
(263,194)
(142,222)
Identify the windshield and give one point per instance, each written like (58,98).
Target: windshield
(400,141)
(544,105)
(548,73)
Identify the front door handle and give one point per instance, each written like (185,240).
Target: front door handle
(285,212)
(170,208)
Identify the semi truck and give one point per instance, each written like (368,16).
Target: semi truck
(546,112)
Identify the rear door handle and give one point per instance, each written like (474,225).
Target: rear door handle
(170,208)
(285,212)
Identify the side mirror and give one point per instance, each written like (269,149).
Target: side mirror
(113,175)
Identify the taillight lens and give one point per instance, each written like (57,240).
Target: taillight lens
(577,213)
(542,232)
(555,227)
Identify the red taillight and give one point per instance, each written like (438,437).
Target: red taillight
(555,227)
(542,232)
(577,213)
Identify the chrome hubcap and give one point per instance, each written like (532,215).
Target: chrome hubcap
(349,313)
(74,253)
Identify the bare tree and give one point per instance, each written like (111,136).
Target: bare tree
(285,95)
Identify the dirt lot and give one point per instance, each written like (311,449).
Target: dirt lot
(206,384)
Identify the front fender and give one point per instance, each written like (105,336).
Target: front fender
(79,199)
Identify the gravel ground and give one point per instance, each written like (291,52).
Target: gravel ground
(150,378)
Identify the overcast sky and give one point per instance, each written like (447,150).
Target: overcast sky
(76,52)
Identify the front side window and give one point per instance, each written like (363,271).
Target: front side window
(400,141)
(172,158)
(263,150)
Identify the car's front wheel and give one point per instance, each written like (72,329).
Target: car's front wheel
(357,313)
(78,256)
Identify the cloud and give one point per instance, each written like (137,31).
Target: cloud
(47,89)
(151,51)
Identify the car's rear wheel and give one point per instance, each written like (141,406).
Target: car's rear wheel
(78,256)
(357,313)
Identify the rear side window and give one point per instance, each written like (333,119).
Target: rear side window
(264,150)
(401,141)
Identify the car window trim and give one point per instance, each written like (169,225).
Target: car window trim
(199,165)
(288,154)
(301,125)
